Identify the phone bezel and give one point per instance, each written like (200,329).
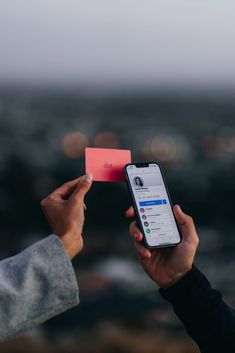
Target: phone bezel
(143,165)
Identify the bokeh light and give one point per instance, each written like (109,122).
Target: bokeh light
(212,145)
(106,139)
(74,144)
(165,149)
(221,144)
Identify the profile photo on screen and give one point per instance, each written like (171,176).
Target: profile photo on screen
(138,181)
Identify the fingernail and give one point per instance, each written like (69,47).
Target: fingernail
(138,236)
(89,177)
(82,178)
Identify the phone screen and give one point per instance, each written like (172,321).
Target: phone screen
(153,205)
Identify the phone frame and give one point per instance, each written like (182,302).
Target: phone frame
(143,165)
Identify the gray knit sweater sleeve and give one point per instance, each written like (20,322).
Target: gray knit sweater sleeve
(35,285)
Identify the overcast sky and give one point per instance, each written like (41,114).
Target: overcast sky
(118,41)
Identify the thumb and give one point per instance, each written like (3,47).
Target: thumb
(82,187)
(185,222)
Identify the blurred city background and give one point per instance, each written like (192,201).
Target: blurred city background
(151,76)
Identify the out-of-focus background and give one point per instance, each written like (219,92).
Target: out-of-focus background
(157,77)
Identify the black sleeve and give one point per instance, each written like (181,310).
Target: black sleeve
(206,317)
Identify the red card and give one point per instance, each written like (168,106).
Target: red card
(107,164)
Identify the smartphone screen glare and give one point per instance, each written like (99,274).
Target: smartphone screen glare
(153,205)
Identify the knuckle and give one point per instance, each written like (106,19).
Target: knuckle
(136,247)
(46,200)
(79,193)
(131,228)
(50,197)
(190,219)
(139,248)
(78,199)
(43,202)
(81,243)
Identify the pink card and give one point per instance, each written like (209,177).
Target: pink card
(107,164)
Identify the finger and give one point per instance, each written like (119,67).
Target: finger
(66,189)
(135,232)
(184,221)
(82,188)
(130,213)
(142,251)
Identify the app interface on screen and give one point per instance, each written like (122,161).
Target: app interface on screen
(153,204)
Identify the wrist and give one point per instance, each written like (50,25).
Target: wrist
(174,279)
(72,244)
(187,290)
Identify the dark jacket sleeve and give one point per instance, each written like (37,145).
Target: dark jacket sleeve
(206,317)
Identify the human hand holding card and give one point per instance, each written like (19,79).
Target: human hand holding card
(107,164)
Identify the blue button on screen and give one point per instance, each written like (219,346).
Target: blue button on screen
(152,203)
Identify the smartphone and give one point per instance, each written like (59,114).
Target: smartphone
(152,204)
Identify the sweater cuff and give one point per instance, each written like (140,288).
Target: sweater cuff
(40,284)
(64,274)
(194,280)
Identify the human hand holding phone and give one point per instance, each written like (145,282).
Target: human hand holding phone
(166,266)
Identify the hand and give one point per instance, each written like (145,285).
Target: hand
(64,210)
(166,266)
